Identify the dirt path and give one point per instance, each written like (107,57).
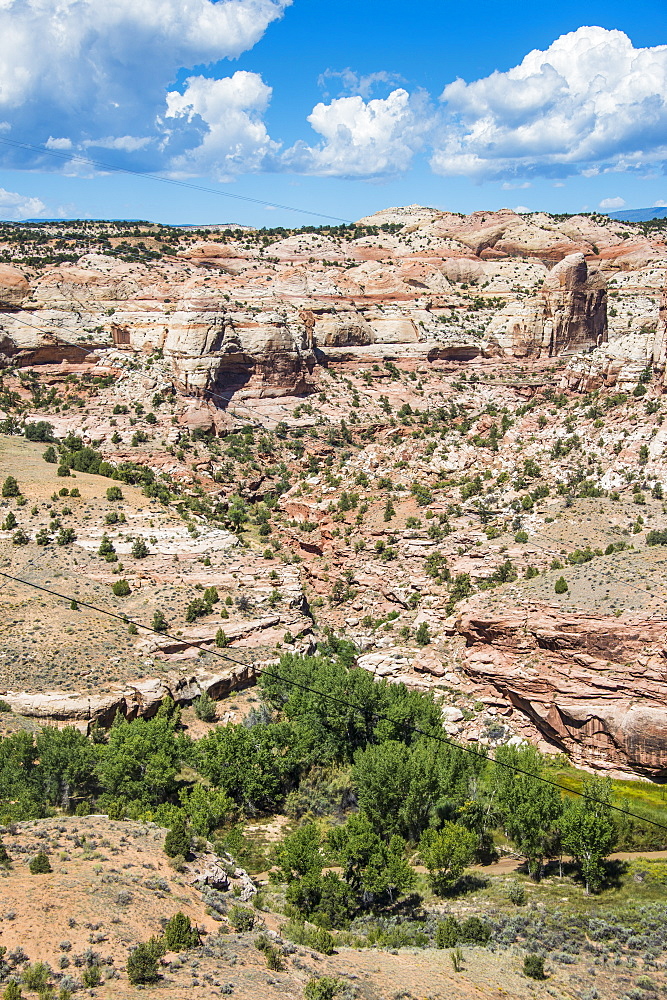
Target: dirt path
(508,865)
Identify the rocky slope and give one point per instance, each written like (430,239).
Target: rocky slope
(416,413)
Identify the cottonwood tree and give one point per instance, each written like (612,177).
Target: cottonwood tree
(589,832)
(446,853)
(529,807)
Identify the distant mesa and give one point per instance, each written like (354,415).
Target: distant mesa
(638,214)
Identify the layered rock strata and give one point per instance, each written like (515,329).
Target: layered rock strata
(593,685)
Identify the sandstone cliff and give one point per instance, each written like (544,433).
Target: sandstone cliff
(593,685)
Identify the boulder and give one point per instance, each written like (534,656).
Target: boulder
(14,287)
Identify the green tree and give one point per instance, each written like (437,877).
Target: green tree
(142,962)
(160,623)
(140,760)
(66,764)
(396,786)
(529,807)
(205,707)
(237,514)
(121,588)
(389,510)
(36,976)
(114,493)
(40,864)
(178,840)
(139,549)
(12,991)
(533,966)
(179,933)
(10,488)
(50,456)
(588,830)
(561,586)
(423,635)
(9,522)
(299,855)
(323,988)
(107,549)
(446,853)
(374,870)
(207,808)
(5,860)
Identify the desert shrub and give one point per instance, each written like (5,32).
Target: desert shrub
(114,493)
(40,864)
(179,933)
(205,708)
(10,522)
(241,918)
(49,455)
(36,976)
(521,537)
(121,588)
(177,841)
(12,991)
(323,988)
(20,537)
(533,967)
(142,962)
(91,976)
(561,585)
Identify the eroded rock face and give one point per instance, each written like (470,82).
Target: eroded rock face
(141,699)
(575,306)
(594,686)
(14,287)
(569,315)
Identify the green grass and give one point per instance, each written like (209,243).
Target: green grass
(644,798)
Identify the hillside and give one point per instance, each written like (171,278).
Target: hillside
(417,463)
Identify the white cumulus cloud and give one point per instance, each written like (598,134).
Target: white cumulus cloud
(97,72)
(14,207)
(590,102)
(608,203)
(361,138)
(227,114)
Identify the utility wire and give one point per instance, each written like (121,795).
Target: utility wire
(69,157)
(341,702)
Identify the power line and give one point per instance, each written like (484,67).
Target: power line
(69,157)
(341,702)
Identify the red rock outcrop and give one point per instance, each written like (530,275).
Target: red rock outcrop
(14,287)
(575,306)
(567,316)
(593,685)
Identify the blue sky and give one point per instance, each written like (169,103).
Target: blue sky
(340,107)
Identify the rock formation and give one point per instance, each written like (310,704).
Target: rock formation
(569,315)
(593,685)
